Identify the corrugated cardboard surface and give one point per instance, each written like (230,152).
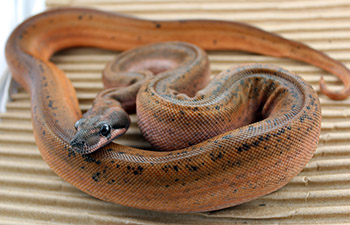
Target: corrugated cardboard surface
(30,193)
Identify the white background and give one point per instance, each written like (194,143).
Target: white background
(12,12)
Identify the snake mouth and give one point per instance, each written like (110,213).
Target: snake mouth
(81,145)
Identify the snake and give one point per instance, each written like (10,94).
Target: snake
(220,142)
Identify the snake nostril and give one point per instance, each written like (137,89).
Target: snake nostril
(77,144)
(73,144)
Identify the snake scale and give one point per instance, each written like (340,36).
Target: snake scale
(262,122)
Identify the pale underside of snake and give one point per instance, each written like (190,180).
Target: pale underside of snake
(263,122)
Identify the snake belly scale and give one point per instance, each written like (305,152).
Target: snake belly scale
(242,163)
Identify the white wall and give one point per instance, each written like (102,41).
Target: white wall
(12,12)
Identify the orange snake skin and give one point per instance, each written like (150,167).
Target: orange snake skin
(244,134)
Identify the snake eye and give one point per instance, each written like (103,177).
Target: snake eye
(105,129)
(76,124)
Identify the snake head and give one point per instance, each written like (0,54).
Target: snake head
(98,127)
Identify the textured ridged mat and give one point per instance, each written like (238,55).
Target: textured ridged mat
(30,193)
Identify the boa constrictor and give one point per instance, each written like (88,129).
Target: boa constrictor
(239,136)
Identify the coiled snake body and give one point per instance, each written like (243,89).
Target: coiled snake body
(263,122)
